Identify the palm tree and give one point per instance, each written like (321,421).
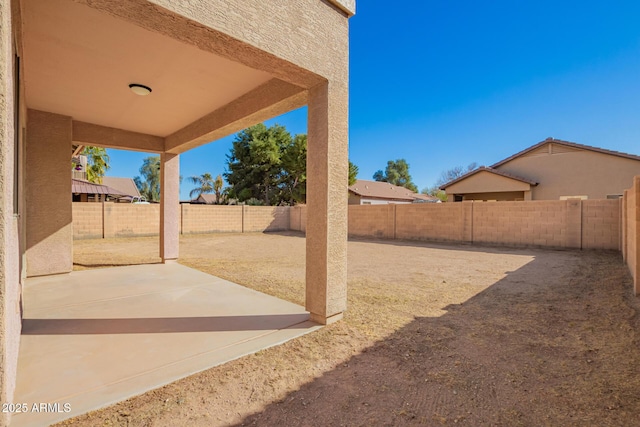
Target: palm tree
(97,163)
(217,188)
(149,183)
(205,183)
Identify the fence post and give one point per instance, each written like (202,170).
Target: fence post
(391,221)
(635,218)
(467,221)
(108,228)
(624,223)
(103,223)
(395,221)
(243,217)
(573,224)
(182,218)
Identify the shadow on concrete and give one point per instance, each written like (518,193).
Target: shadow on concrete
(115,264)
(544,346)
(287,233)
(162,325)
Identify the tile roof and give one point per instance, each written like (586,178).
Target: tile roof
(209,199)
(124,185)
(384,190)
(567,144)
(79,186)
(490,170)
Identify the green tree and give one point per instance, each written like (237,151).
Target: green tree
(396,173)
(149,184)
(97,163)
(254,166)
(205,184)
(353,173)
(293,178)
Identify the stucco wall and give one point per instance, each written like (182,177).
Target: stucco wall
(306,33)
(574,173)
(483,181)
(10,288)
(48,195)
(499,197)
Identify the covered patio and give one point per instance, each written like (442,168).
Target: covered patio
(96,337)
(69,69)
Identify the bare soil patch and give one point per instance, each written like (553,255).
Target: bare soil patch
(434,335)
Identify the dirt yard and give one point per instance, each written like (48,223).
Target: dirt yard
(434,335)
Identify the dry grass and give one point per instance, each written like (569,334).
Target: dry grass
(434,335)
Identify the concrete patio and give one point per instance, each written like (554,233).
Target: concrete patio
(91,338)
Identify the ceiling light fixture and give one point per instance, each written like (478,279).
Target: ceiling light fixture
(139,89)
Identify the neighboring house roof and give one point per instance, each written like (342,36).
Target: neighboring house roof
(425,197)
(490,170)
(79,186)
(566,144)
(124,185)
(384,190)
(209,199)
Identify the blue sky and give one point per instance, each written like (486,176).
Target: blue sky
(442,83)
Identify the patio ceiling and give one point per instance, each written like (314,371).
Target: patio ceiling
(79,61)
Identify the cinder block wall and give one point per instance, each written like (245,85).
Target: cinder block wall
(601,224)
(533,223)
(130,220)
(631,230)
(96,220)
(431,221)
(211,219)
(372,221)
(593,224)
(298,218)
(586,224)
(265,218)
(87,220)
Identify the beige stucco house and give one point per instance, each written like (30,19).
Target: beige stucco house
(550,170)
(73,72)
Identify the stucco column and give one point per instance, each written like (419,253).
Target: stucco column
(169,206)
(49,238)
(327,179)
